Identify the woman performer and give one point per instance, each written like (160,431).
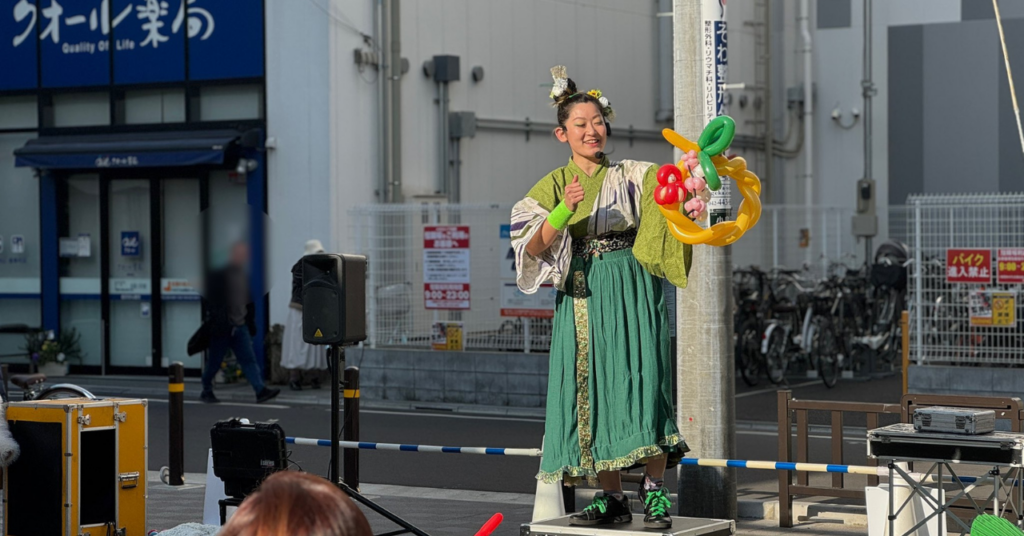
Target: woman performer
(592,229)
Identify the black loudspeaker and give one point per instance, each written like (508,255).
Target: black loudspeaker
(333,298)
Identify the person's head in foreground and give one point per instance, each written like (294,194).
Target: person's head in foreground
(297,504)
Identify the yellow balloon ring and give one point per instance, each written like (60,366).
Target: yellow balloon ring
(725,232)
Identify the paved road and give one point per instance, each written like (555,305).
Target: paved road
(486,473)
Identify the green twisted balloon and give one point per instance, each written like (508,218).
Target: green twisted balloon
(717,137)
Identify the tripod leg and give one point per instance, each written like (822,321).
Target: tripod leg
(380,510)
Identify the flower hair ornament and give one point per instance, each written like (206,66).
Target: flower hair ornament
(562,89)
(606,106)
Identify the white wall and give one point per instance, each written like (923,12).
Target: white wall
(322,109)
(321,113)
(609,44)
(837,73)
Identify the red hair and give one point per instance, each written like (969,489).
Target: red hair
(297,504)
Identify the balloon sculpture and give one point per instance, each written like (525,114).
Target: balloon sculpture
(697,172)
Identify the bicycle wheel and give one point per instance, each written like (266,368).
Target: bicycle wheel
(64,390)
(748,353)
(775,361)
(884,312)
(825,350)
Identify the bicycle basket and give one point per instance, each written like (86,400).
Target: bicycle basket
(890,276)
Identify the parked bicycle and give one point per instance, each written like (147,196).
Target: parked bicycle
(793,327)
(33,387)
(754,301)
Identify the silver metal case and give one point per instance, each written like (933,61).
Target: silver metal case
(948,420)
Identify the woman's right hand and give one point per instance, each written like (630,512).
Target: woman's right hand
(573,194)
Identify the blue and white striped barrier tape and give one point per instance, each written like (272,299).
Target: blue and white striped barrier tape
(414,448)
(702,462)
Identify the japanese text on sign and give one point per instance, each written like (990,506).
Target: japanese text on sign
(452,237)
(1010,264)
(446,295)
(446,267)
(968,265)
(145,39)
(993,309)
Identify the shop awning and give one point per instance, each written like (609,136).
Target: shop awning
(127,150)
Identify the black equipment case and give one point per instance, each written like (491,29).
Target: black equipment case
(246,453)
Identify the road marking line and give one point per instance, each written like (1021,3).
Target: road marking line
(773,434)
(236,404)
(450,416)
(776,388)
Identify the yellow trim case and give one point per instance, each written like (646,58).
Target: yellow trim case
(82,470)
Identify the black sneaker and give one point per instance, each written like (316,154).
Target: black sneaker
(295,385)
(266,394)
(604,510)
(657,507)
(209,397)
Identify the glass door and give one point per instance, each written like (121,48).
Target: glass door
(80,287)
(182,263)
(129,253)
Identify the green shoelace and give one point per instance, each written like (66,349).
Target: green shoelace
(600,504)
(658,503)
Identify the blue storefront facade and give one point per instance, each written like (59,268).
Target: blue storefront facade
(132,157)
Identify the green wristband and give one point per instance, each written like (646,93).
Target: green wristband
(560,217)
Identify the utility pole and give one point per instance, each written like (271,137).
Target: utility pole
(706,389)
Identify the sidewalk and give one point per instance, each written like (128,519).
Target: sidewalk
(441,512)
(156,387)
(757,505)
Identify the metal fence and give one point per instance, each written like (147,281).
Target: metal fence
(961,322)
(392,236)
(779,239)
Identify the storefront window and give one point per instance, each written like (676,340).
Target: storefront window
(19,247)
(80,306)
(131,248)
(19,112)
(182,267)
(155,106)
(228,103)
(81,109)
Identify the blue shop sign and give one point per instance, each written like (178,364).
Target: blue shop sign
(73,43)
(145,39)
(131,244)
(18,45)
(231,47)
(152,47)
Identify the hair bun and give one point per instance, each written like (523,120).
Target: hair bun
(569,92)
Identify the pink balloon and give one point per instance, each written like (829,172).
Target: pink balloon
(695,207)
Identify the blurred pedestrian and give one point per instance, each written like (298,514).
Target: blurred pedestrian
(231,324)
(297,504)
(298,356)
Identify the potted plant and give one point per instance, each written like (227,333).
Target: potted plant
(50,353)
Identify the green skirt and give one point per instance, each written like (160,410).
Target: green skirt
(609,403)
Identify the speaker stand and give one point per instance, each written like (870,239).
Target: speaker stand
(335,359)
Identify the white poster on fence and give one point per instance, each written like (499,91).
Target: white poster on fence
(446,267)
(515,302)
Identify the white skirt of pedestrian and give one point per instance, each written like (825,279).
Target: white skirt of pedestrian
(296,353)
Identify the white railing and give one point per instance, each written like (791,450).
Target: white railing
(392,238)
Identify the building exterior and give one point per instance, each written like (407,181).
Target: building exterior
(132,151)
(139,138)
